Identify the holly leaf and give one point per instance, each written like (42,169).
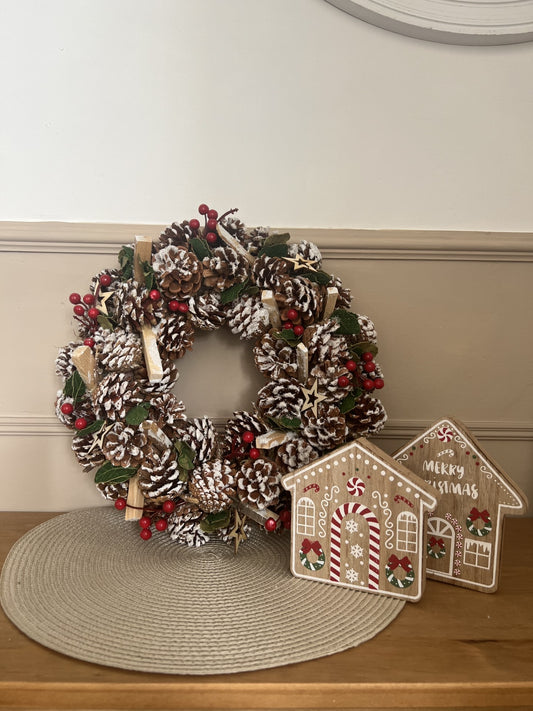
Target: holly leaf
(274,250)
(138,414)
(95,426)
(200,248)
(109,474)
(348,322)
(364,347)
(319,277)
(285,423)
(252,290)
(350,401)
(276,238)
(125,259)
(229,295)
(105,322)
(213,521)
(75,387)
(186,455)
(288,335)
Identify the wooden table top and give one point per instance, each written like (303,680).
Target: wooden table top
(456,648)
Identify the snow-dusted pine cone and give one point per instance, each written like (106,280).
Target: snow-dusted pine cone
(125,446)
(128,305)
(239,423)
(198,433)
(113,491)
(64,365)
(120,351)
(325,431)
(82,408)
(268,272)
(168,413)
(87,453)
(178,235)
(306,250)
(224,268)
(247,317)
(170,375)
(327,374)
(367,417)
(280,398)
(295,453)
(115,394)
(368,330)
(252,241)
(114,274)
(175,335)
(300,294)
(258,483)
(206,312)
(274,358)
(344,298)
(322,344)
(159,475)
(184,526)
(213,485)
(179,272)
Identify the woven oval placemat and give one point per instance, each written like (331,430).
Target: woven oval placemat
(86,585)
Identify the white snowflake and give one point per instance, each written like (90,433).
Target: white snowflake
(352,575)
(352,526)
(356,551)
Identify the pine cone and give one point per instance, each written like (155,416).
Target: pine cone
(302,295)
(64,365)
(322,344)
(184,526)
(95,281)
(213,485)
(159,474)
(125,446)
(82,408)
(327,375)
(206,311)
(168,413)
(258,483)
(295,453)
(178,235)
(367,417)
(179,272)
(120,351)
(252,241)
(87,453)
(306,250)
(113,492)
(325,431)
(280,398)
(247,317)
(344,298)
(268,272)
(368,330)
(224,268)
(274,358)
(176,336)
(198,433)
(128,305)
(170,375)
(236,426)
(115,395)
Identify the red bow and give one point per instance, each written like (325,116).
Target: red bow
(436,542)
(307,546)
(475,514)
(394,562)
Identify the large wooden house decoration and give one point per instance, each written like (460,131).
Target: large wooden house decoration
(465,531)
(357,521)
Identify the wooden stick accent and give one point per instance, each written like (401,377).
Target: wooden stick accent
(85,362)
(331,300)
(154,366)
(272,438)
(234,243)
(302,360)
(156,435)
(135,500)
(257,515)
(267,297)
(143,253)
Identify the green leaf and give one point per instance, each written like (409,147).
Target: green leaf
(319,277)
(350,401)
(109,474)
(125,259)
(252,290)
(105,322)
(186,455)
(276,238)
(229,295)
(75,387)
(138,414)
(364,347)
(348,322)
(200,248)
(95,426)
(285,423)
(149,276)
(213,521)
(288,335)
(274,250)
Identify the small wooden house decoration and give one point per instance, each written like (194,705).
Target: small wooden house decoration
(465,531)
(357,521)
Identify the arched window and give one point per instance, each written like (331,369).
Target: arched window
(305,517)
(407,532)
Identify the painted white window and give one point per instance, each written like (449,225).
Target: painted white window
(477,553)
(407,532)
(305,517)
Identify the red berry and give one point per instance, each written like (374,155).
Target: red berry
(120,504)
(146,534)
(161,524)
(344,381)
(145,522)
(367,357)
(370,366)
(211,238)
(79,310)
(248,437)
(183,307)
(292,314)
(194,224)
(105,279)
(288,325)
(254,453)
(299,330)
(211,225)
(368,384)
(155,295)
(379,383)
(89,342)
(168,506)
(81,423)
(88,299)
(67,408)
(350,365)
(173,305)
(212,214)
(270,524)
(285,515)
(74,298)
(203,209)
(93,313)
(286,524)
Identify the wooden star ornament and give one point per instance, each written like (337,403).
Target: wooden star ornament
(312,398)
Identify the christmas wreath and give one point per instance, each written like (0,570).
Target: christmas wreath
(137,320)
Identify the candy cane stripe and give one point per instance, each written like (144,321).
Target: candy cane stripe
(373,542)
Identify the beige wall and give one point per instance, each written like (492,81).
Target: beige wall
(452,313)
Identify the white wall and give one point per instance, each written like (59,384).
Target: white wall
(137,110)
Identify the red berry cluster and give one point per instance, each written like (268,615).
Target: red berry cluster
(366,380)
(211,220)
(242,446)
(158,518)
(85,310)
(292,316)
(284,519)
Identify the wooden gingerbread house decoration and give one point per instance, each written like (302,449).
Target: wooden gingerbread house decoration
(357,521)
(465,531)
